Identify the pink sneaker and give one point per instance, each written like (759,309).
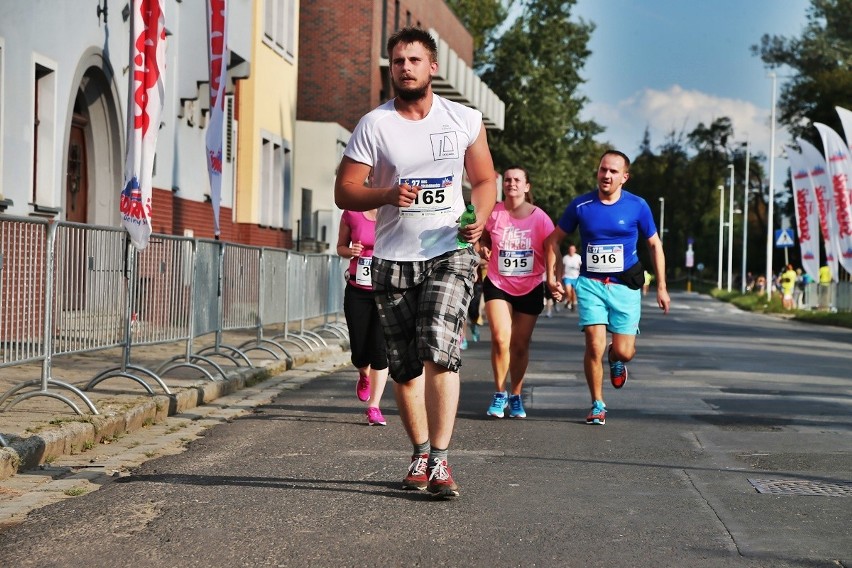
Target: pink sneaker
(362,389)
(374,417)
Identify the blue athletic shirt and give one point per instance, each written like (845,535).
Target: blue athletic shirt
(600,224)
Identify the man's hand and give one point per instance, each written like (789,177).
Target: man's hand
(472,232)
(663,299)
(403,195)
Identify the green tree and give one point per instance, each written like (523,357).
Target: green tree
(822,61)
(534,67)
(480,17)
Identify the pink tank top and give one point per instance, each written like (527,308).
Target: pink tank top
(364,230)
(517,258)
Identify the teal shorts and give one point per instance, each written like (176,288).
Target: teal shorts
(608,303)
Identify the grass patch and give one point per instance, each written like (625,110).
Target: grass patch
(758,303)
(76,491)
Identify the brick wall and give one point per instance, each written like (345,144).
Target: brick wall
(340,47)
(172,215)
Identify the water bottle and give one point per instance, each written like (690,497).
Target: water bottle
(466,218)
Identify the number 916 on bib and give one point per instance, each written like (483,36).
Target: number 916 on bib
(605,258)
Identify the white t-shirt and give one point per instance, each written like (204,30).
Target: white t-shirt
(571,266)
(429,153)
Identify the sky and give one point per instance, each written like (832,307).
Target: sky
(672,64)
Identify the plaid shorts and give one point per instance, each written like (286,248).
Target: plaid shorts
(423,306)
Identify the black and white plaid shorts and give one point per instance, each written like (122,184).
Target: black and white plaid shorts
(422,307)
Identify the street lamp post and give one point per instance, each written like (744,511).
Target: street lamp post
(745,221)
(721,234)
(771,201)
(731,230)
(662,218)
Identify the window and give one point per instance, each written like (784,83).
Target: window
(44,135)
(307,214)
(275,187)
(279,26)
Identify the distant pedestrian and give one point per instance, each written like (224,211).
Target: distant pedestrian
(824,287)
(356,239)
(610,221)
(571,264)
(513,242)
(788,285)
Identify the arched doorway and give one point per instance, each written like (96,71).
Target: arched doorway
(94,149)
(77,170)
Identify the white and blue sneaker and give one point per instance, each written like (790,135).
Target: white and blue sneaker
(516,407)
(498,404)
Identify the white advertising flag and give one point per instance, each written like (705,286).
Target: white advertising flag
(825,201)
(217,50)
(846,121)
(807,218)
(144,108)
(840,169)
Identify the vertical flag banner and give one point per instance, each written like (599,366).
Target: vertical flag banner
(144,108)
(846,121)
(825,201)
(217,50)
(840,169)
(807,218)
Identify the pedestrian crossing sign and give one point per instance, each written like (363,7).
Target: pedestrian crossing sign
(784,238)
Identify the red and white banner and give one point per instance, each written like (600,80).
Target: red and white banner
(807,216)
(217,51)
(846,121)
(144,108)
(818,170)
(840,169)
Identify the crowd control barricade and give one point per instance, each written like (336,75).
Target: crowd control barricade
(272,310)
(241,293)
(158,309)
(302,299)
(27,275)
(205,315)
(333,305)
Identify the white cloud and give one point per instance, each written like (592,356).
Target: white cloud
(680,110)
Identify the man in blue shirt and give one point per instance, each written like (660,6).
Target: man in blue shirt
(609,295)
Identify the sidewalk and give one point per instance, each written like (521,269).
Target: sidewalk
(38,429)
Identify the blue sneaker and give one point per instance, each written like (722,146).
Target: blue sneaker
(516,407)
(474,333)
(498,404)
(597,415)
(463,344)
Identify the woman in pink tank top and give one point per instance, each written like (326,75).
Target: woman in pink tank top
(355,241)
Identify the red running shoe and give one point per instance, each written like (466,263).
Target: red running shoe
(441,482)
(416,478)
(617,371)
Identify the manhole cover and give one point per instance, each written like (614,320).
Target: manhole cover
(802,487)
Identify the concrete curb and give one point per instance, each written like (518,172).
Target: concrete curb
(79,432)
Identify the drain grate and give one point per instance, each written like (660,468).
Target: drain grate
(802,487)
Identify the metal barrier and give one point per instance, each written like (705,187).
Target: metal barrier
(158,310)
(27,275)
(69,288)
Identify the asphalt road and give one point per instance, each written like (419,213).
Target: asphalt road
(719,402)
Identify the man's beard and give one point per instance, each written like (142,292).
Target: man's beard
(415,94)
